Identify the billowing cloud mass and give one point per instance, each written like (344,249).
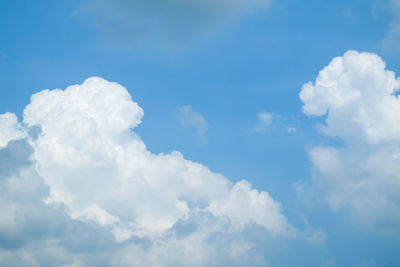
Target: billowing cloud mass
(85,191)
(166,21)
(358,98)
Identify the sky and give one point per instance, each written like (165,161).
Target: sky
(200,133)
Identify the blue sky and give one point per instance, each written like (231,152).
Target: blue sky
(228,61)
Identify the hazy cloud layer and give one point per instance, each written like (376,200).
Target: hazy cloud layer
(358,98)
(86,192)
(166,22)
(391,42)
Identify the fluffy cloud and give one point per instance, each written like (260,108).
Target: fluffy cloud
(171,21)
(9,128)
(188,117)
(358,98)
(86,191)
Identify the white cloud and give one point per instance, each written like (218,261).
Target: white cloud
(358,97)
(357,94)
(188,117)
(242,196)
(291,129)
(169,21)
(264,120)
(86,191)
(9,128)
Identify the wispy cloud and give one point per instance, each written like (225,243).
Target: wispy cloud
(264,120)
(391,9)
(188,117)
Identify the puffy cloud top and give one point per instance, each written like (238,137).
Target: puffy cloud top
(94,165)
(359,97)
(87,164)
(104,106)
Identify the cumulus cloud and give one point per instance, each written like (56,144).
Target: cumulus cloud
(172,21)
(188,117)
(357,96)
(264,120)
(83,190)
(9,128)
